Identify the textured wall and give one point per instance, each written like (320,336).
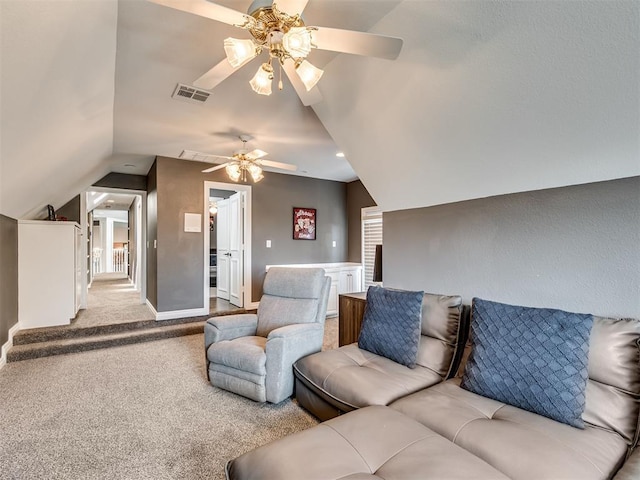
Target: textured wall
(180,190)
(574,248)
(152,235)
(357,198)
(8,276)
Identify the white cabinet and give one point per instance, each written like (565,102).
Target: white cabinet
(49,273)
(346,277)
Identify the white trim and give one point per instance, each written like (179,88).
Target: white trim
(171,314)
(5,348)
(246,288)
(153,310)
(252,306)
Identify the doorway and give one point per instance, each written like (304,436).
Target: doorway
(227,243)
(114,221)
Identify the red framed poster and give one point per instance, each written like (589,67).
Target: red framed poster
(304,223)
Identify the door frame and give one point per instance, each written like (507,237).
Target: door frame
(246,274)
(142,223)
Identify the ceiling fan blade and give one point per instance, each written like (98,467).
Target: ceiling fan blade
(291,6)
(280,165)
(308,98)
(216,167)
(357,43)
(217,74)
(208,10)
(255,154)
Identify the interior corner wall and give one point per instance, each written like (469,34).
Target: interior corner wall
(357,198)
(8,276)
(180,255)
(152,235)
(70,210)
(573,248)
(123,180)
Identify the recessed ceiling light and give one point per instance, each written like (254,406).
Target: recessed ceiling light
(340,154)
(130,165)
(110,201)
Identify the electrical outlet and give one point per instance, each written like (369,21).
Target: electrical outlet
(268,243)
(334,244)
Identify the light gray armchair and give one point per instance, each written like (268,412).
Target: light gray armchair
(253,354)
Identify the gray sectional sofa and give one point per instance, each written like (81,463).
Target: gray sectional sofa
(391,421)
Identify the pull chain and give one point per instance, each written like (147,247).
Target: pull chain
(280,80)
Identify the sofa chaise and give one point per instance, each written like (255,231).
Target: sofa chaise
(446,431)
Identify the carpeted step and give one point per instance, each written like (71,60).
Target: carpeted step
(104,340)
(47,334)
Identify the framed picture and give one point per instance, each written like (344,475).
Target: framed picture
(304,223)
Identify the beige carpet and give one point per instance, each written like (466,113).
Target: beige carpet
(134,412)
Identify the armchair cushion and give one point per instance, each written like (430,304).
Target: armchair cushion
(275,312)
(246,354)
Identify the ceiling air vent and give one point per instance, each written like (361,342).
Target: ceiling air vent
(198,156)
(190,94)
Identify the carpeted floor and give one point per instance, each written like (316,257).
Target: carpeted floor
(134,412)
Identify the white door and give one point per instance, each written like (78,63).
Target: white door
(223,255)
(236,248)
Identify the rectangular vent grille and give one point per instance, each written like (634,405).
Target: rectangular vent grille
(190,94)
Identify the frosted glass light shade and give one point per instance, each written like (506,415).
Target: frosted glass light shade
(239,51)
(261,81)
(256,172)
(309,74)
(297,41)
(233,170)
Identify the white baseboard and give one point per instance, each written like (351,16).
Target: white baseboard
(172,314)
(252,306)
(5,348)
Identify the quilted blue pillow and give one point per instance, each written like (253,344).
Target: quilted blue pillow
(532,358)
(391,324)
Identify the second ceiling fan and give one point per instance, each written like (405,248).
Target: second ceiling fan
(245,163)
(279,29)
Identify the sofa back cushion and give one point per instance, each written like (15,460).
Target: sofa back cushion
(613,389)
(444,329)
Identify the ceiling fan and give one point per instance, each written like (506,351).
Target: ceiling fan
(244,162)
(279,29)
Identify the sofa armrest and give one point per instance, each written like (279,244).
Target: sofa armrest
(228,327)
(285,346)
(631,469)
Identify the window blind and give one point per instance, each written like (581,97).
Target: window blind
(371,236)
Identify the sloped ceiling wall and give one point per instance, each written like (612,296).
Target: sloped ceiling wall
(490,98)
(58,61)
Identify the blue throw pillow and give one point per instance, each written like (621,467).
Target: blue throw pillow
(532,358)
(391,324)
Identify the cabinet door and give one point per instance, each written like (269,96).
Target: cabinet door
(332,305)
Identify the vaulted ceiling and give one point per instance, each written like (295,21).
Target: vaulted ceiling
(486,98)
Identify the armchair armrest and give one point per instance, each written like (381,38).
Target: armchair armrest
(228,327)
(285,346)
(631,468)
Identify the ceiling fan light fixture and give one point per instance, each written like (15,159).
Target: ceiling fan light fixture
(255,171)
(297,42)
(309,74)
(239,51)
(233,170)
(261,81)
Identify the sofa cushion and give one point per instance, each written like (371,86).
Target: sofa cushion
(532,358)
(371,443)
(520,444)
(392,324)
(350,377)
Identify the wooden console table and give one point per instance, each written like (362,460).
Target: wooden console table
(350,317)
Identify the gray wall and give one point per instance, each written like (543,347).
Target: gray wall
(180,190)
(8,276)
(152,235)
(123,180)
(574,248)
(70,210)
(357,198)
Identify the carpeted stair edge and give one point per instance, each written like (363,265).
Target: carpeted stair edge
(81,344)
